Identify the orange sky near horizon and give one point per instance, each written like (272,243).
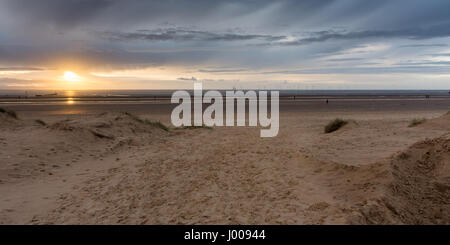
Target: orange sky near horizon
(179,78)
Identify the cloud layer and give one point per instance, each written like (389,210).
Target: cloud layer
(238,40)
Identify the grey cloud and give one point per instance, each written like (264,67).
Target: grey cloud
(425,62)
(344,59)
(61,14)
(423,45)
(66,14)
(221,70)
(440,55)
(187,79)
(222,36)
(179,34)
(369,70)
(442,30)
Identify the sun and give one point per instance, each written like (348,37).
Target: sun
(71,76)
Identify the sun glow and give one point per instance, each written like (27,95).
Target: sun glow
(71,76)
(70,101)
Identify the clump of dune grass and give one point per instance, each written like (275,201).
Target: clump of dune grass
(334,125)
(9,112)
(416,121)
(39,121)
(156,124)
(134,117)
(195,127)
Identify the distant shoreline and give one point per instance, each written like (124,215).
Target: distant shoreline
(46,95)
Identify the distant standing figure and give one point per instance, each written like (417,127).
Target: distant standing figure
(326,101)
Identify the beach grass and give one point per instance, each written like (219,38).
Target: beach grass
(335,125)
(195,127)
(41,122)
(134,117)
(9,112)
(156,124)
(416,121)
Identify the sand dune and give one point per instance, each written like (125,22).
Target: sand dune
(419,189)
(116,168)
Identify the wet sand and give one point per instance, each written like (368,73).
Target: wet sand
(163,107)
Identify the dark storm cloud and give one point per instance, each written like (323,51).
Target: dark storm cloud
(370,17)
(213,33)
(179,34)
(65,14)
(61,14)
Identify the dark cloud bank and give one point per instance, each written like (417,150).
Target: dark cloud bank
(35,32)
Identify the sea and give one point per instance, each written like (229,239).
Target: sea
(168,93)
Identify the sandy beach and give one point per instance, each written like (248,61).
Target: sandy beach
(85,163)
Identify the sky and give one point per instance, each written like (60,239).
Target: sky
(169,44)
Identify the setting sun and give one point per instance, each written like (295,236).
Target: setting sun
(71,76)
